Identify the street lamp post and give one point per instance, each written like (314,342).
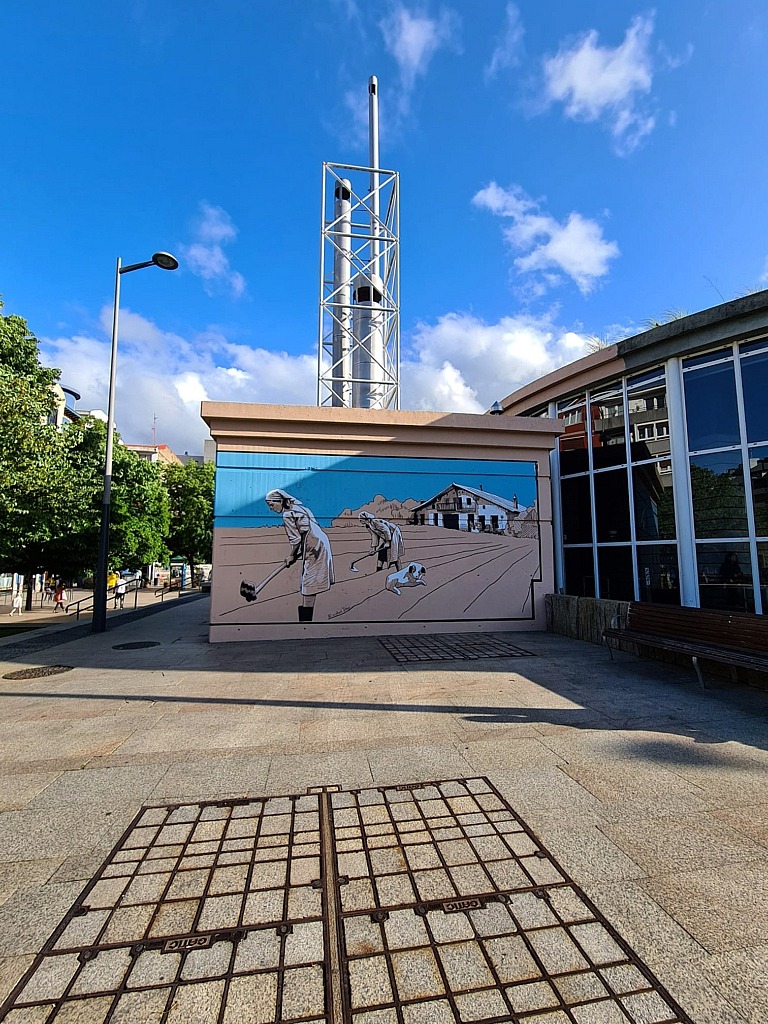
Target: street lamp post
(165,261)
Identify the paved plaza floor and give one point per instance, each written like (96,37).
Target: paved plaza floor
(643,799)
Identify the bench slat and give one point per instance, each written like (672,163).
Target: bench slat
(731,638)
(732,629)
(707,651)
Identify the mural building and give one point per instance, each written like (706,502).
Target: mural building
(310,538)
(344,543)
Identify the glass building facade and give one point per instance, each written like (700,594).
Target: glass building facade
(660,482)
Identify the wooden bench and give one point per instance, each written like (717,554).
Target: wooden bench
(738,639)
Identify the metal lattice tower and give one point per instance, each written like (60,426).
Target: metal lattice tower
(359,345)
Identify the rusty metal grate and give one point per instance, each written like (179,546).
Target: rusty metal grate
(416,904)
(454,911)
(38,673)
(447,647)
(201,913)
(136,645)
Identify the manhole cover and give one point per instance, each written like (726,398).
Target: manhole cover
(395,905)
(38,673)
(459,647)
(136,645)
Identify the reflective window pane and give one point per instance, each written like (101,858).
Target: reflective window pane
(710,407)
(709,357)
(758,471)
(648,416)
(577,512)
(609,446)
(617,582)
(719,504)
(657,572)
(612,505)
(762,568)
(725,577)
(574,439)
(754,346)
(754,379)
(654,503)
(579,572)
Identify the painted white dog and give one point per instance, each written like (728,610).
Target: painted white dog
(411,576)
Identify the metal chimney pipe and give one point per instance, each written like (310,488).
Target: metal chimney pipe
(373,162)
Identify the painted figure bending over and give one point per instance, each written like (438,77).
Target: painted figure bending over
(386,540)
(308,543)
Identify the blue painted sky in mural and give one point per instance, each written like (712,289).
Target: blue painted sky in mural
(329,484)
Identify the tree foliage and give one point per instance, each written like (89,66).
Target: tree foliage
(719,507)
(190,489)
(34,483)
(51,481)
(139,516)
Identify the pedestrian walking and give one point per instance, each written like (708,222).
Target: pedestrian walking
(59,597)
(120,593)
(16,603)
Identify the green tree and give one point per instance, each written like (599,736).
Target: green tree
(190,489)
(719,504)
(35,488)
(51,481)
(140,513)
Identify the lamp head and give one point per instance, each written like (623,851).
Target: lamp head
(165,261)
(496,409)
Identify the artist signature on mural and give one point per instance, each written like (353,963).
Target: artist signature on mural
(341,611)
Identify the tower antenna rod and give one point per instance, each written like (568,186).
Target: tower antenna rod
(373,158)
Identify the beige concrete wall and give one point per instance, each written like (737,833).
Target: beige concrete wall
(466,580)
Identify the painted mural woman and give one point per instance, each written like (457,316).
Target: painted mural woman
(308,543)
(386,540)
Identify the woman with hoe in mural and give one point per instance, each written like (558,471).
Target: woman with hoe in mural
(308,543)
(386,541)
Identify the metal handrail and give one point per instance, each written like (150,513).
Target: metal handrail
(131,586)
(173,588)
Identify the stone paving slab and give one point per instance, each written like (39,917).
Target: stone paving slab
(751,821)
(18,790)
(742,975)
(350,709)
(724,907)
(688,842)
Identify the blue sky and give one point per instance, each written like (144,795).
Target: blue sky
(329,484)
(566,170)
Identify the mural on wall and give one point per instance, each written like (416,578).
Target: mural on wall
(313,538)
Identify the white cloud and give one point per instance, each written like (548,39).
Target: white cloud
(164,374)
(460,363)
(353,129)
(349,8)
(600,83)
(205,255)
(507,52)
(549,247)
(413,38)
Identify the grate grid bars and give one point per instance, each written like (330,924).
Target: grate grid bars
(420,904)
